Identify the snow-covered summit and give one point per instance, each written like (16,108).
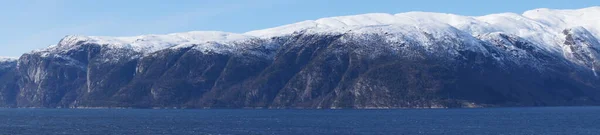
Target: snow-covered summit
(588,18)
(538,20)
(7,59)
(150,43)
(542,26)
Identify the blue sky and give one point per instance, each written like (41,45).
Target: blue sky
(33,24)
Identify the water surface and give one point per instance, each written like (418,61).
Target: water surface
(508,121)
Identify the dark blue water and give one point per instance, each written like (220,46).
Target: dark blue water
(509,121)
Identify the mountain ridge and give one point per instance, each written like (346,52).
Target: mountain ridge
(538,26)
(406,60)
(417,15)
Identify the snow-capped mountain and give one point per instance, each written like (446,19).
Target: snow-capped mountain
(543,27)
(379,60)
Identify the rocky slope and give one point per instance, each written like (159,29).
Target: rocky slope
(543,57)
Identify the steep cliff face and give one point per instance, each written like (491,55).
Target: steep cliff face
(8,80)
(408,60)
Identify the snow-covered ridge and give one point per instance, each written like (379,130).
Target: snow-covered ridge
(7,59)
(151,43)
(534,20)
(540,26)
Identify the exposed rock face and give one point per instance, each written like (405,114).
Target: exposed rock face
(427,64)
(8,83)
(582,47)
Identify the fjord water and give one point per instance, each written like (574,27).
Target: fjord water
(509,121)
